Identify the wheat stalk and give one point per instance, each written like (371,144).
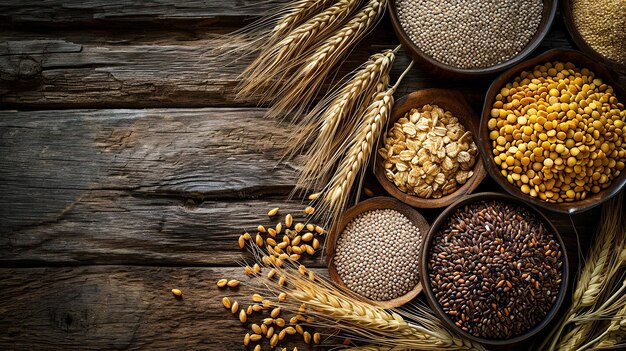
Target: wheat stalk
(335,116)
(277,61)
(293,94)
(358,148)
(296,13)
(591,300)
(385,330)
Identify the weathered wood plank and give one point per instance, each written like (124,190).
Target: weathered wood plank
(139,68)
(104,186)
(98,12)
(123,308)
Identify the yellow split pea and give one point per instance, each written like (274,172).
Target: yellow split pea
(558,132)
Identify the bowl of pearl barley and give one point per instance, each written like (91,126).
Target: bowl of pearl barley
(376,249)
(466,39)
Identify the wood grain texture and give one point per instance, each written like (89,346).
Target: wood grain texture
(124,308)
(153,66)
(98,12)
(103,186)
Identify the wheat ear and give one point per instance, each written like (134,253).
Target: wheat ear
(299,89)
(594,281)
(334,116)
(358,150)
(335,308)
(296,13)
(265,73)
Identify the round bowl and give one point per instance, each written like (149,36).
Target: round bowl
(450,101)
(485,150)
(375,203)
(577,39)
(439,68)
(428,291)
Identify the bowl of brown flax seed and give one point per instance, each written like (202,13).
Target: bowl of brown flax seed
(494,269)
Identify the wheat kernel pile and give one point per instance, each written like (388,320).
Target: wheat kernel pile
(470,34)
(377,255)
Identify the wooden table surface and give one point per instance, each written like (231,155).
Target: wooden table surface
(127,169)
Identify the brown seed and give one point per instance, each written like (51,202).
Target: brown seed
(269,333)
(256,337)
(275,312)
(296,250)
(309,210)
(279,322)
(299,329)
(257,348)
(249,310)
(307,237)
(314,196)
(266,260)
(319,230)
(293,320)
(310,250)
(299,226)
(281,281)
(316,244)
(246,339)
(222,283)
(263,329)
(259,240)
(296,241)
(317,338)
(233,283)
(273,212)
(288,220)
(241,241)
(294,257)
(257,308)
(267,304)
(235,307)
(248,270)
(279,228)
(282,334)
(270,242)
(246,236)
(243,317)
(274,340)
(255,328)
(226,302)
(310,227)
(290,330)
(256,268)
(307,337)
(302,269)
(261,229)
(268,321)
(271,232)
(257,298)
(282,297)
(177,293)
(271,273)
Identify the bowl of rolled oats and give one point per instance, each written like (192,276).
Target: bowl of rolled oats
(428,157)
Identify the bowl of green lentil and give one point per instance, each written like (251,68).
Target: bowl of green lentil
(467,39)
(375,251)
(597,29)
(494,269)
(553,132)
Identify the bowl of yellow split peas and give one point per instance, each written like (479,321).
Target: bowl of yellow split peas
(553,132)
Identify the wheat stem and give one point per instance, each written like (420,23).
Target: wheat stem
(277,61)
(359,149)
(333,120)
(298,89)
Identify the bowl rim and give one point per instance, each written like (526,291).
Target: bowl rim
(427,288)
(581,43)
(479,167)
(416,53)
(483,137)
(378,202)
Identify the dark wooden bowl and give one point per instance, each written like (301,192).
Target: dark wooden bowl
(448,100)
(375,203)
(428,290)
(438,68)
(577,39)
(484,147)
